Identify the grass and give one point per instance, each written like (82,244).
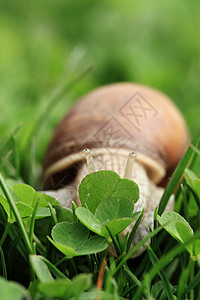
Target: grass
(52,54)
(165,270)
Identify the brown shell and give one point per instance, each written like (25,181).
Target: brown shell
(117,117)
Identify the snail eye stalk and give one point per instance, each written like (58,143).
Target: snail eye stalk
(129,165)
(89,159)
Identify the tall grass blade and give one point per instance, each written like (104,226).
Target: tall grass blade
(6,144)
(133,280)
(135,248)
(161,273)
(57,273)
(166,259)
(193,283)
(175,179)
(3,264)
(133,231)
(16,214)
(32,223)
(115,243)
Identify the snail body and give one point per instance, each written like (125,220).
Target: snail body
(113,121)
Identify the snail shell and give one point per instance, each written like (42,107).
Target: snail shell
(112,121)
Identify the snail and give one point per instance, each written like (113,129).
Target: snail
(113,121)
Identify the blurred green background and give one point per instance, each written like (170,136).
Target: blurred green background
(48,44)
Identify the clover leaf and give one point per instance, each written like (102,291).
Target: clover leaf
(112,213)
(101,185)
(180,229)
(73,239)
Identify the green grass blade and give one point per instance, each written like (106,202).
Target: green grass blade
(57,273)
(124,246)
(17,242)
(129,290)
(196,148)
(194,282)
(108,280)
(53,214)
(128,255)
(120,242)
(16,214)
(15,245)
(185,203)
(54,99)
(155,222)
(32,160)
(161,273)
(185,275)
(40,247)
(132,234)
(3,264)
(115,242)
(133,280)
(175,179)
(73,267)
(102,256)
(7,166)
(74,207)
(196,198)
(32,223)
(166,259)
(5,233)
(12,134)
(16,157)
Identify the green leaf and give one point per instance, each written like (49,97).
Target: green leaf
(25,198)
(70,234)
(102,185)
(193,181)
(72,239)
(4,203)
(99,186)
(186,233)
(118,225)
(10,290)
(93,245)
(111,209)
(115,214)
(196,247)
(89,220)
(25,194)
(110,213)
(12,193)
(179,228)
(28,195)
(66,289)
(45,199)
(156,289)
(11,196)
(126,189)
(42,212)
(40,268)
(64,214)
(68,251)
(24,209)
